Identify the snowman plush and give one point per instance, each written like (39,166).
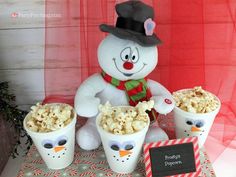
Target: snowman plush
(126,56)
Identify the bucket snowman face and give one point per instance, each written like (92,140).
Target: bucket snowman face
(195,127)
(188,127)
(122,152)
(56,148)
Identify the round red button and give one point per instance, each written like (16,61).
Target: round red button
(167,101)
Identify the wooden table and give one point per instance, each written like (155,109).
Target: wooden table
(90,163)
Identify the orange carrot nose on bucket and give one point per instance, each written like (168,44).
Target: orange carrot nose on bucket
(58,148)
(195,129)
(124,153)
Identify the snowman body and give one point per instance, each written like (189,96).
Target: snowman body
(123,60)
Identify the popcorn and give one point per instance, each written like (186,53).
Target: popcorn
(106,109)
(138,125)
(122,121)
(195,100)
(49,117)
(144,106)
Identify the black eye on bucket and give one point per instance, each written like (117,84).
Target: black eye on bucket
(115,147)
(62,142)
(199,124)
(48,145)
(189,122)
(129,147)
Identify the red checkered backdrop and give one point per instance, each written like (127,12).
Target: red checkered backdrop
(199,48)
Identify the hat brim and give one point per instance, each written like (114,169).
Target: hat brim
(141,39)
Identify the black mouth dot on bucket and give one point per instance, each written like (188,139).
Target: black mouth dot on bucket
(58,157)
(127,159)
(122,160)
(48,154)
(53,156)
(114,156)
(63,153)
(117,159)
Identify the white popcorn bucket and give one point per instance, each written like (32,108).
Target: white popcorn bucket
(57,147)
(189,124)
(122,151)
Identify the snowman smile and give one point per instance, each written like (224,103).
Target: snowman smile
(128,74)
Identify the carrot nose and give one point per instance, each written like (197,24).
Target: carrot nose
(58,148)
(124,153)
(195,129)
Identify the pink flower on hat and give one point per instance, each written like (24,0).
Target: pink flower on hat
(149,26)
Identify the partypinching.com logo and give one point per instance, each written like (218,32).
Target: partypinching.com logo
(35,15)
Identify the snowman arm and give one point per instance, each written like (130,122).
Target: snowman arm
(163,99)
(157,89)
(86,103)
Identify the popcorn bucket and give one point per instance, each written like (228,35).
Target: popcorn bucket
(122,151)
(189,124)
(57,147)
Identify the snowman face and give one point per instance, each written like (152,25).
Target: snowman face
(125,59)
(122,151)
(194,127)
(55,148)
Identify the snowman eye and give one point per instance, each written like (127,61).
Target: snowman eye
(189,122)
(135,56)
(129,147)
(115,147)
(125,54)
(62,142)
(48,144)
(199,124)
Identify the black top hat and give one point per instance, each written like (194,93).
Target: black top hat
(134,22)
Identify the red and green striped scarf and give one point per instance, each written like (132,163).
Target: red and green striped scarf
(136,91)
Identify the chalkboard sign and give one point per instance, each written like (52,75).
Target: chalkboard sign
(172,157)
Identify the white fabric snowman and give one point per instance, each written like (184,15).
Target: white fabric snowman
(127,54)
